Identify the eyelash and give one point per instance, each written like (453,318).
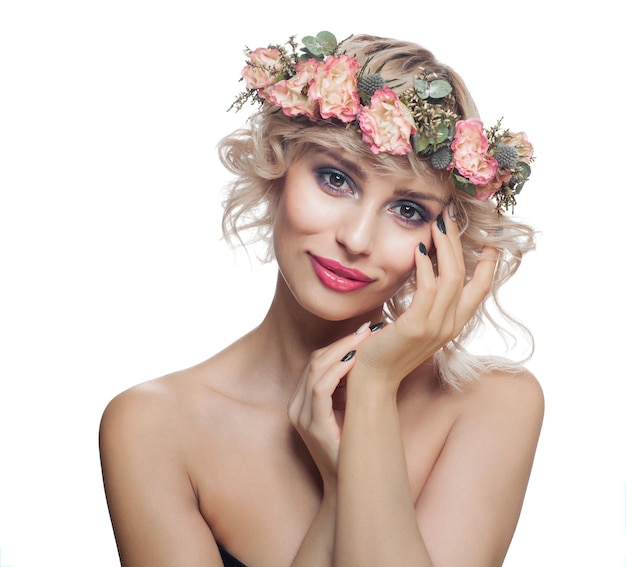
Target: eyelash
(323,176)
(422,213)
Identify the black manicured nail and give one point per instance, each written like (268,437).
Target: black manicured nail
(422,248)
(440,224)
(376,327)
(348,356)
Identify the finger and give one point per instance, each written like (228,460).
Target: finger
(300,402)
(477,289)
(425,284)
(324,388)
(327,356)
(454,233)
(296,403)
(317,402)
(316,419)
(458,275)
(447,241)
(451,271)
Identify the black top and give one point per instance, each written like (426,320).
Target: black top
(228,559)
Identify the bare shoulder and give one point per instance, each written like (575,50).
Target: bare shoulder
(142,406)
(495,395)
(147,438)
(483,468)
(167,408)
(157,410)
(500,418)
(511,395)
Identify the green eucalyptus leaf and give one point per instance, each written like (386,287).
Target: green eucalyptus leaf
(523,169)
(324,43)
(462,180)
(469,189)
(311,46)
(439,88)
(421,88)
(327,42)
(464,184)
(442,133)
(423,143)
(415,139)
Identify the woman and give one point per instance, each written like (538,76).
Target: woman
(350,427)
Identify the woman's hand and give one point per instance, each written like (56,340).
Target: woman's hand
(440,308)
(311,406)
(312,415)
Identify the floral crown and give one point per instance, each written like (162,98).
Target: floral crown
(320,83)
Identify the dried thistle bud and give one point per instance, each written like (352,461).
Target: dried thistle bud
(369,84)
(442,158)
(506,156)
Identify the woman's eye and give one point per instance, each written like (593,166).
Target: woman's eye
(334,181)
(409,212)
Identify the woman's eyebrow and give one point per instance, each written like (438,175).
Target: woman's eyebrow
(347,164)
(411,194)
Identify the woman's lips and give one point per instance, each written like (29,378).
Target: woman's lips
(338,277)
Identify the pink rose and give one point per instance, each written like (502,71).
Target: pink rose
(263,68)
(484,192)
(289,93)
(469,136)
(470,152)
(387,124)
(334,87)
(520,142)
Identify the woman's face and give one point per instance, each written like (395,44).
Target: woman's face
(345,236)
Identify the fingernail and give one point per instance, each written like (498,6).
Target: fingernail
(422,248)
(452,211)
(376,327)
(348,356)
(362,328)
(440,224)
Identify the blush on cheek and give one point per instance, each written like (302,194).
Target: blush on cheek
(399,253)
(306,210)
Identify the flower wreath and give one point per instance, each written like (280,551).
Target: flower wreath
(323,84)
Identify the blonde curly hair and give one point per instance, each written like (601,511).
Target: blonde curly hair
(260,154)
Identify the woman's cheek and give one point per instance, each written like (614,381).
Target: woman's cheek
(400,249)
(307,210)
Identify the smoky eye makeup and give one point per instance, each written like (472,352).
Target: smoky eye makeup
(410,212)
(334,181)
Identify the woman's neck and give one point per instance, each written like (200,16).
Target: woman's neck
(289,334)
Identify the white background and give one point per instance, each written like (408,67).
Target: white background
(112,271)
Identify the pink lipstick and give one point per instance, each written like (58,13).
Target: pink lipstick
(338,277)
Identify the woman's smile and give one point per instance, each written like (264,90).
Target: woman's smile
(337,277)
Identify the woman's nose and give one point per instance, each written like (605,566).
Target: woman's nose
(357,233)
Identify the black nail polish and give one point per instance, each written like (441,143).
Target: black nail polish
(348,356)
(423,250)
(376,327)
(440,224)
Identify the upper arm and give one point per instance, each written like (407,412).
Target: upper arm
(469,507)
(150,497)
